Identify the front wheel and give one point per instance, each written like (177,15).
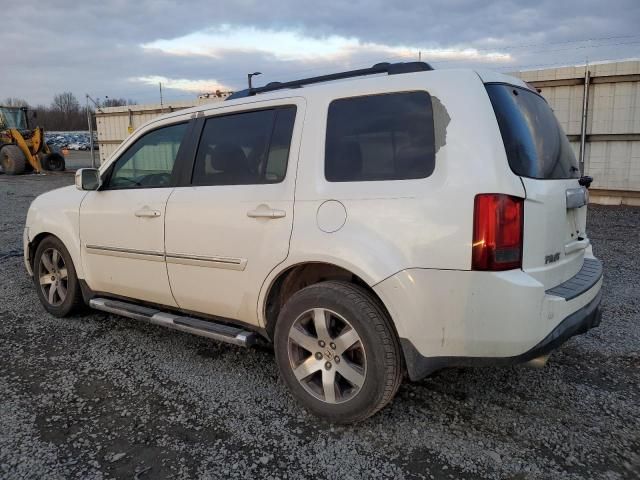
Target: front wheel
(55,278)
(53,162)
(337,351)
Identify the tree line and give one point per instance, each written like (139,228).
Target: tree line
(65,112)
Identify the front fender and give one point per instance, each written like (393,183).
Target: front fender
(58,213)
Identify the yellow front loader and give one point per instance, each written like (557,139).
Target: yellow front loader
(23,149)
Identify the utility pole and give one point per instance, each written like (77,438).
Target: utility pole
(90,121)
(585,107)
(160,83)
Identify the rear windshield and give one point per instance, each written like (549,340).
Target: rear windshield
(535,144)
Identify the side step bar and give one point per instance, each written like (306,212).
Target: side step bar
(203,328)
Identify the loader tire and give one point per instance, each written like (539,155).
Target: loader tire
(12,160)
(54,162)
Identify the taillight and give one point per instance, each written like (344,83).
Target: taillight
(497,232)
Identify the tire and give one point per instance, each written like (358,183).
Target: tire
(54,162)
(12,160)
(374,357)
(53,269)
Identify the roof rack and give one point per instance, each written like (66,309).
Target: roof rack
(388,68)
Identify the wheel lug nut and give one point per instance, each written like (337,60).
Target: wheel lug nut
(318,356)
(321,343)
(332,345)
(337,359)
(327,365)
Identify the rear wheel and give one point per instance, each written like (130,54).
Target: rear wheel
(12,160)
(337,351)
(55,278)
(53,162)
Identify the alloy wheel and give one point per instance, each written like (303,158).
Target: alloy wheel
(327,356)
(53,277)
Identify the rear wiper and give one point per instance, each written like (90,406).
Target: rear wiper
(585,180)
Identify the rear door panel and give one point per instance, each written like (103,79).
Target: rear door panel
(220,241)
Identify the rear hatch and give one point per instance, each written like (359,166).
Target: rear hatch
(554,236)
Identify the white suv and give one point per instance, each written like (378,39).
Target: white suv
(369,223)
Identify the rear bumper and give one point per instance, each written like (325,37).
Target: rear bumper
(577,323)
(459,318)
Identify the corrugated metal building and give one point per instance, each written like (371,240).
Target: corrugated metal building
(612,140)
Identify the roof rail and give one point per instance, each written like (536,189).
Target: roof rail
(388,68)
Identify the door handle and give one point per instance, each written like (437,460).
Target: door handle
(263,211)
(147,212)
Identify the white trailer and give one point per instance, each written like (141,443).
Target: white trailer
(115,124)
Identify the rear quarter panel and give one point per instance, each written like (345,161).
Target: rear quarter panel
(394,225)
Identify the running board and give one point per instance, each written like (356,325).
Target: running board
(217,331)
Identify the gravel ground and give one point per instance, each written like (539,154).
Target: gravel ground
(98,396)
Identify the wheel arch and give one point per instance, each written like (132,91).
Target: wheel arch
(292,278)
(33,245)
(57,213)
(40,236)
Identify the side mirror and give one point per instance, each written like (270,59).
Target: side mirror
(88,179)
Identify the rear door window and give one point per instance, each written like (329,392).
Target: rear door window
(245,148)
(535,144)
(380,137)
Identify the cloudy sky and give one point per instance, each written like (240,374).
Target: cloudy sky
(121,48)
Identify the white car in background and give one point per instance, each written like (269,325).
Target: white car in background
(368,223)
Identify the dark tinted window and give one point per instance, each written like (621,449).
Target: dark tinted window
(535,144)
(245,148)
(380,137)
(276,163)
(150,160)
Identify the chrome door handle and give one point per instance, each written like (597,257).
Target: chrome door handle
(147,212)
(265,212)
